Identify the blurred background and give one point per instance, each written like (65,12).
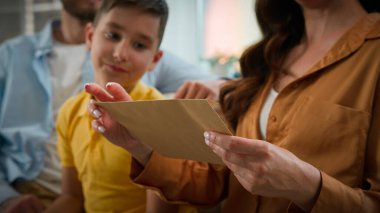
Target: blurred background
(209,33)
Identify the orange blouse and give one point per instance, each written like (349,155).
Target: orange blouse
(329,118)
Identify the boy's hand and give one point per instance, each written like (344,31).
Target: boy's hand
(200,90)
(111,129)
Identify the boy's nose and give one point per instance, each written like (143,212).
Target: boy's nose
(120,53)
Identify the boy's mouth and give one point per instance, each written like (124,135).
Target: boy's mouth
(115,68)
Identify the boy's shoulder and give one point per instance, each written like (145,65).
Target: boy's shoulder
(75,105)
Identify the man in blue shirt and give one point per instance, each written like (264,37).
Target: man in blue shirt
(37,74)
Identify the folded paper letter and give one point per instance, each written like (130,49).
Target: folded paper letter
(174,128)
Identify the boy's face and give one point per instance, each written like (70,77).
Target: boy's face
(123,46)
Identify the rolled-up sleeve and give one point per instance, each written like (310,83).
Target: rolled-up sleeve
(189,181)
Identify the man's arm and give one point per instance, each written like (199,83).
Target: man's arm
(10,199)
(6,190)
(71,199)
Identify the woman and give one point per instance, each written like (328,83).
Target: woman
(306,115)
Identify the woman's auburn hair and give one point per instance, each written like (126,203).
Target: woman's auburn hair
(282,27)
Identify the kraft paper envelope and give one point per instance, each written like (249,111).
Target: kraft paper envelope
(174,128)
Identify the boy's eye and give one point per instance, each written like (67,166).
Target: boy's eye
(139,45)
(112,36)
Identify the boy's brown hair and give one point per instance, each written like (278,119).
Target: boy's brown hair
(158,8)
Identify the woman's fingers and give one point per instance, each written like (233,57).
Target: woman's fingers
(97,126)
(98,92)
(231,158)
(239,151)
(94,111)
(118,92)
(115,92)
(236,144)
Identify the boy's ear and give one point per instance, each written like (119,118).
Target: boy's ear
(157,57)
(89,31)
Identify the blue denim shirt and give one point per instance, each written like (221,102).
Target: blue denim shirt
(171,72)
(26,117)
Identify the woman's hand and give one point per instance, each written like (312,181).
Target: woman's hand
(111,129)
(268,170)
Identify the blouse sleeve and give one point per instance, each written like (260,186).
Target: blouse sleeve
(188,181)
(337,197)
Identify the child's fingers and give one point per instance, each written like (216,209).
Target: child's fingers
(98,92)
(118,92)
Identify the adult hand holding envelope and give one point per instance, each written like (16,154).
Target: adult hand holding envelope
(202,117)
(174,128)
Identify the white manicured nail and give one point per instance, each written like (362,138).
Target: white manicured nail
(101,129)
(207,141)
(206,135)
(96,113)
(109,84)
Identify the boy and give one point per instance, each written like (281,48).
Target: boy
(124,41)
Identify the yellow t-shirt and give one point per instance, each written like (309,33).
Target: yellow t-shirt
(103,168)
